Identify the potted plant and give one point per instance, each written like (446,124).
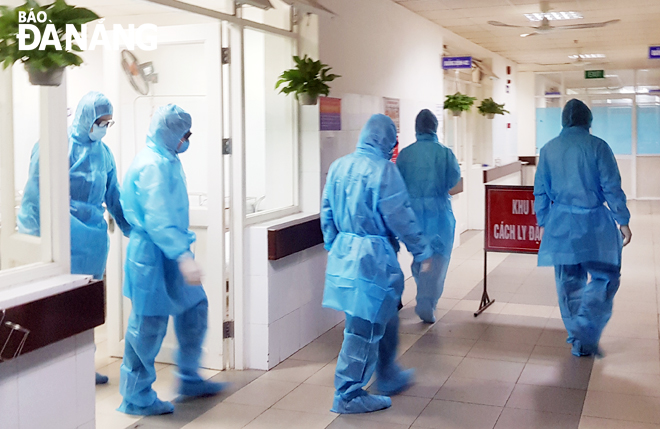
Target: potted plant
(489,108)
(44,67)
(458,103)
(307,80)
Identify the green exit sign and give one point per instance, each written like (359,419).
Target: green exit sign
(594,74)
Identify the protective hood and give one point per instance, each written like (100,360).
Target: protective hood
(378,136)
(426,122)
(168,126)
(576,114)
(91,107)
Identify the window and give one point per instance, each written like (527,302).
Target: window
(648,125)
(271,144)
(548,107)
(279,16)
(26,111)
(613,123)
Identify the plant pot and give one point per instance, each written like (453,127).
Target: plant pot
(52,77)
(308,100)
(490,115)
(456,112)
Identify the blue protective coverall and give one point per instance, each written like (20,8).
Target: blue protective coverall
(365,209)
(576,176)
(93,182)
(430,170)
(155,202)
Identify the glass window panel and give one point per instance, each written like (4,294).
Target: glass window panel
(548,125)
(613,123)
(648,81)
(278,16)
(648,129)
(270,139)
(223,6)
(20,242)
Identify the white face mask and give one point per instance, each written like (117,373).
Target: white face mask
(97,132)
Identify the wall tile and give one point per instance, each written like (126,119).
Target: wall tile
(258,300)
(257,341)
(47,396)
(290,334)
(8,395)
(256,254)
(85,386)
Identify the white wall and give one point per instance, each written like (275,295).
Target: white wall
(381,50)
(52,387)
(526,108)
(283,311)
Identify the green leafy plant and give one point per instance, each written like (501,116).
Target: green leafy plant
(60,14)
(459,102)
(308,77)
(489,106)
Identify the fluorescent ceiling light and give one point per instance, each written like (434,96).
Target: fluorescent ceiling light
(586,56)
(553,16)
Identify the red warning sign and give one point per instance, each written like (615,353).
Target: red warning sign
(510,220)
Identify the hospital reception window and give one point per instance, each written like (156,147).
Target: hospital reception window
(30,246)
(271,144)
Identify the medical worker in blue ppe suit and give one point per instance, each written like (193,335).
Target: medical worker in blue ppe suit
(161,275)
(93,182)
(365,209)
(430,170)
(580,204)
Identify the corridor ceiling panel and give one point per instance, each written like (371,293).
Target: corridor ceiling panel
(624,43)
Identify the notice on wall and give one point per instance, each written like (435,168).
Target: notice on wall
(392,109)
(510,220)
(330,111)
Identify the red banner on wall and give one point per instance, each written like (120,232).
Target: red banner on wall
(510,220)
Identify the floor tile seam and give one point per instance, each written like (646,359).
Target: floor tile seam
(625,394)
(445,400)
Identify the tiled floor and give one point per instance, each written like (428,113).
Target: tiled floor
(510,368)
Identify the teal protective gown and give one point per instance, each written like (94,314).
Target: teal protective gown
(366,207)
(155,203)
(430,170)
(576,176)
(93,182)
(579,202)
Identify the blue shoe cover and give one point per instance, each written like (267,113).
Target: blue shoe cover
(396,384)
(201,388)
(365,403)
(157,408)
(426,314)
(581,350)
(101,379)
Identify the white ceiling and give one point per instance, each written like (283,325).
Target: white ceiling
(625,43)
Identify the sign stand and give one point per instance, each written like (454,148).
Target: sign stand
(510,227)
(485,299)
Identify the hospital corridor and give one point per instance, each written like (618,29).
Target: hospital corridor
(510,367)
(302,214)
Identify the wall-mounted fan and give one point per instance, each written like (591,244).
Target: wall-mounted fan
(545,26)
(139,75)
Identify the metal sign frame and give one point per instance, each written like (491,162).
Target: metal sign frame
(486,301)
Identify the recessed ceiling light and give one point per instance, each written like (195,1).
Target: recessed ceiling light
(586,56)
(553,16)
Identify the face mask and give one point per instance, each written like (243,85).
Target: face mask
(97,133)
(183,146)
